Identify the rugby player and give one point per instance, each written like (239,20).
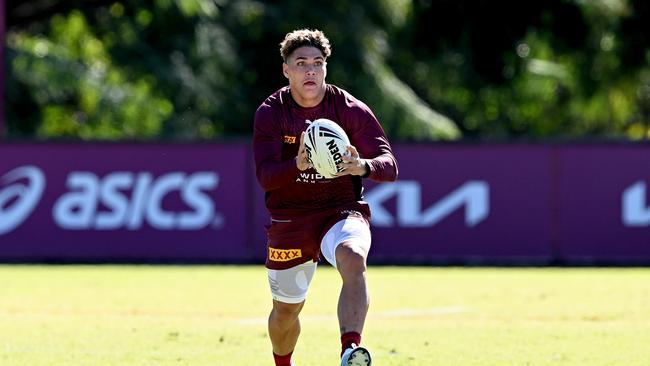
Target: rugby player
(311,216)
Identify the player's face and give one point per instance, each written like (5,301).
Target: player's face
(306,69)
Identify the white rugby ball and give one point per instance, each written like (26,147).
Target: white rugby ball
(326,144)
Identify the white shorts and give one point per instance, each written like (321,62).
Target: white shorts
(350,229)
(291,285)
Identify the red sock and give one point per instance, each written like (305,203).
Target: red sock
(282,360)
(348,338)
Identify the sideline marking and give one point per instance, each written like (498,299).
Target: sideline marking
(398,313)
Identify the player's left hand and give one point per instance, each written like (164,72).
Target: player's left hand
(352,164)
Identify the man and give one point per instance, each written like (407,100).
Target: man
(311,215)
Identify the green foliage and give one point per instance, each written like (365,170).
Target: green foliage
(78,90)
(556,70)
(198,69)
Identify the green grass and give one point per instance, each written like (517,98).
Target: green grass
(216,315)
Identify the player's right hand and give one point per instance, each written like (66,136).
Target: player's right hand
(302,161)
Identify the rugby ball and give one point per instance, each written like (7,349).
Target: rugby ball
(326,144)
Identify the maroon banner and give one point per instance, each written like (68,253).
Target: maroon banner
(3,43)
(458,203)
(464,203)
(453,203)
(124,202)
(604,201)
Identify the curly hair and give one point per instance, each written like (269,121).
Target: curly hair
(305,37)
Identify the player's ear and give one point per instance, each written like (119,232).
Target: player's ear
(285,69)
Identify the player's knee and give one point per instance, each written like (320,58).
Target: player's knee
(350,259)
(286,312)
(290,285)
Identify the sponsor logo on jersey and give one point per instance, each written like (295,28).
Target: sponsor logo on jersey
(311,178)
(284,255)
(289,139)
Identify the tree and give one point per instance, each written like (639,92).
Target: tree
(198,69)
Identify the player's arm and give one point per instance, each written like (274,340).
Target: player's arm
(353,164)
(371,155)
(272,172)
(383,167)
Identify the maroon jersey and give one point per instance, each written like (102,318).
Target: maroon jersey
(279,121)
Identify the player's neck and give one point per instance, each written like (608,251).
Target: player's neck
(306,102)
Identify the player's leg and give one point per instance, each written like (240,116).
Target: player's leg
(284,329)
(354,299)
(346,246)
(289,289)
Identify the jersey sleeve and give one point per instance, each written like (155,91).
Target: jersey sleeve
(371,142)
(271,171)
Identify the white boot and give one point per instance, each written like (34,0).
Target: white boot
(356,356)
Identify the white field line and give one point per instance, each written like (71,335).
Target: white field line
(398,313)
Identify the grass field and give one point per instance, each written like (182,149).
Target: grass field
(216,315)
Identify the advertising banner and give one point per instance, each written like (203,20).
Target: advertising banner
(604,203)
(124,202)
(457,203)
(3,131)
(452,203)
(464,203)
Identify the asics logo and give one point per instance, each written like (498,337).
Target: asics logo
(126,200)
(20,191)
(118,200)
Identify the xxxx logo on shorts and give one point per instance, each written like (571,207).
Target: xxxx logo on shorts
(289,139)
(284,255)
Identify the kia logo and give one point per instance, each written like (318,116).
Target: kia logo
(20,191)
(473,195)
